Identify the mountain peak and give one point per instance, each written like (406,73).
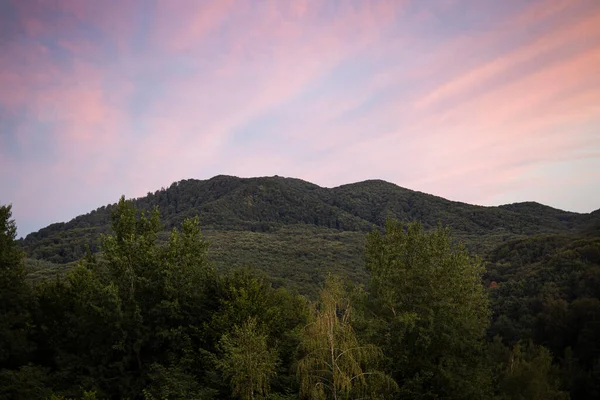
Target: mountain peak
(533,207)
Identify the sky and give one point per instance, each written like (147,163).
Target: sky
(482,101)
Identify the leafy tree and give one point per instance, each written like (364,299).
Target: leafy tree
(78,326)
(10,254)
(24,383)
(165,296)
(87,395)
(134,319)
(525,372)
(335,365)
(548,293)
(244,295)
(176,381)
(247,363)
(430,310)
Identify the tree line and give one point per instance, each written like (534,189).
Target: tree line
(155,320)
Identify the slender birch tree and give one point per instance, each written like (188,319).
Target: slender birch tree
(248,363)
(335,364)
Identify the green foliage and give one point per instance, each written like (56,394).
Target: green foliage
(279,314)
(297,257)
(175,381)
(25,382)
(130,320)
(525,372)
(247,362)
(334,364)
(432,311)
(549,292)
(10,255)
(15,298)
(87,395)
(77,325)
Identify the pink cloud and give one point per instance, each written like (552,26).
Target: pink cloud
(133,100)
(245,84)
(195,20)
(554,41)
(492,135)
(115,20)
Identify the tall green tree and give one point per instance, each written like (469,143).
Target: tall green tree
(78,322)
(14,295)
(335,364)
(430,311)
(279,314)
(19,379)
(247,363)
(134,319)
(165,297)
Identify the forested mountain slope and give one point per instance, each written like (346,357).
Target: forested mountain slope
(546,289)
(250,219)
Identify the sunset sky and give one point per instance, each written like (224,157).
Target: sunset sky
(482,101)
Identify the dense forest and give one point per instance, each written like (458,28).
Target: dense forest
(292,291)
(297,232)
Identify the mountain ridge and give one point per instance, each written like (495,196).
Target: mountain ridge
(508,206)
(270,205)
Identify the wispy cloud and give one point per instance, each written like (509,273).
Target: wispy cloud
(477,101)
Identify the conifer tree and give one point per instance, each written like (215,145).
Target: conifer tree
(14,295)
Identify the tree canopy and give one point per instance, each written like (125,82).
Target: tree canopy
(152,317)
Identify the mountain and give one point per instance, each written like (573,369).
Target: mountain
(296,230)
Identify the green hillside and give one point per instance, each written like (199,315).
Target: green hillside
(547,289)
(294,230)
